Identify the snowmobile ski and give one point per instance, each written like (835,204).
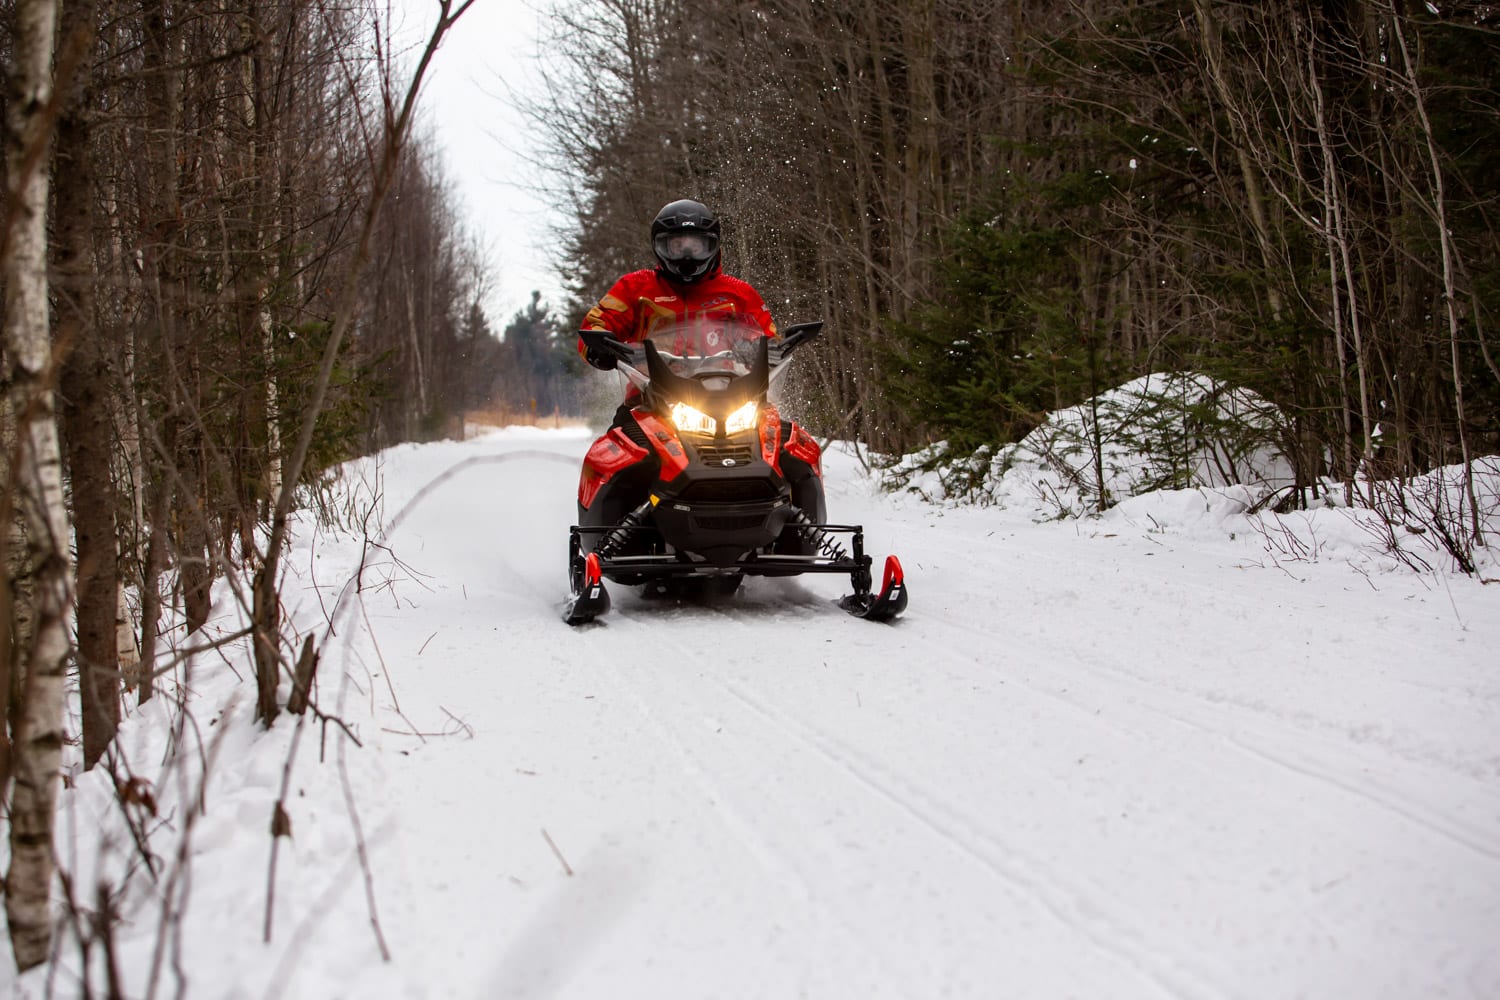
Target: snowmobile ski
(887,604)
(590,599)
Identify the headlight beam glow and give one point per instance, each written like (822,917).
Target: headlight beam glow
(692,421)
(742,419)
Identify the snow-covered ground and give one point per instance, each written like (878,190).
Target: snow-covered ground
(1170,752)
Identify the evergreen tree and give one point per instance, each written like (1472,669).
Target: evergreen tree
(538,364)
(1008,338)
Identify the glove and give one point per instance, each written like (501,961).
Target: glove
(603,360)
(604,353)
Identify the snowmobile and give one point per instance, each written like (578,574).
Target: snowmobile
(706,483)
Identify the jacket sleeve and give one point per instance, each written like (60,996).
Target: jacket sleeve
(612,314)
(756,307)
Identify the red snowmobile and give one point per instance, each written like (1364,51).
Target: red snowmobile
(706,483)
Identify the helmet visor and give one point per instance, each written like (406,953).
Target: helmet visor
(697,248)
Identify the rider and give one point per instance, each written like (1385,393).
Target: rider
(687,283)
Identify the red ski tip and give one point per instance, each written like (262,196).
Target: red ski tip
(592,576)
(893,575)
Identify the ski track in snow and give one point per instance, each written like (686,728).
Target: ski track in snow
(1260,732)
(897,806)
(1093,759)
(721,774)
(1071,907)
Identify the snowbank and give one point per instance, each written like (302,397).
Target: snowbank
(1167,430)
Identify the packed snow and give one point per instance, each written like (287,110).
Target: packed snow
(1179,750)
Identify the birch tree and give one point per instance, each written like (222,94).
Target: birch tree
(34,486)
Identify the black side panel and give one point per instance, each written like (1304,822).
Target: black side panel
(625,420)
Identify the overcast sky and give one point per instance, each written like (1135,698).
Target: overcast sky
(489,54)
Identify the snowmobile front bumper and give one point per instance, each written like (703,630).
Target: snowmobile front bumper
(636,568)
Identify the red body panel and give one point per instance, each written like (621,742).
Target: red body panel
(611,453)
(801,445)
(615,451)
(664,439)
(770,436)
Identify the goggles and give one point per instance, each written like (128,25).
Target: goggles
(687,246)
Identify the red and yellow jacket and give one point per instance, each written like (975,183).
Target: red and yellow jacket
(642,300)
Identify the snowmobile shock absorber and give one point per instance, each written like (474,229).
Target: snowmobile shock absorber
(620,533)
(826,544)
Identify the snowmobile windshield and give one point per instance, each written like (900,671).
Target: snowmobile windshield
(705,347)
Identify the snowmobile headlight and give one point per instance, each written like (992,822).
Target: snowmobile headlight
(742,419)
(692,421)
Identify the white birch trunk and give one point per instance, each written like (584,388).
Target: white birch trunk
(37,487)
(126,646)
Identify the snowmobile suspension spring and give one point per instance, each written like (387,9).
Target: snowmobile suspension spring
(826,544)
(620,534)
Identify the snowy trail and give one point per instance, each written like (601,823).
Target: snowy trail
(1089,762)
(1130,757)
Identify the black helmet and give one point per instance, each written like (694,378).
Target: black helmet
(685,239)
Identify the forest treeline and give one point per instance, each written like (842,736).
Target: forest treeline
(1001,207)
